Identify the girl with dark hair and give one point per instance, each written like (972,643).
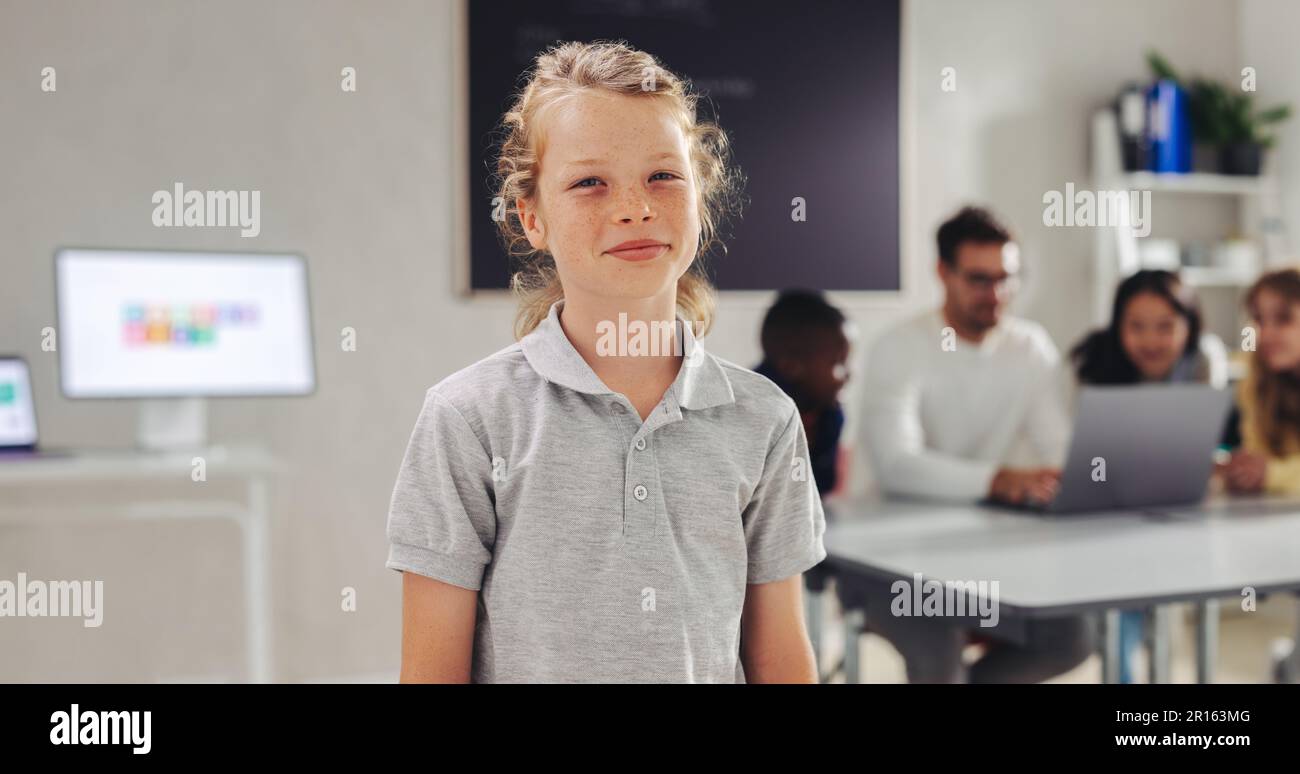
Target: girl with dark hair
(1154,335)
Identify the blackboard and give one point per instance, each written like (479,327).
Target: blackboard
(808,92)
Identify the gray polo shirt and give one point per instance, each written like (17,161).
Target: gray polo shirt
(604,548)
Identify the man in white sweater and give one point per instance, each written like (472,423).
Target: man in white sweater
(963,404)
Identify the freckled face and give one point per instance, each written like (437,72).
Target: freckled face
(614,169)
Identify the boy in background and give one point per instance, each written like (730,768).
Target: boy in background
(806,352)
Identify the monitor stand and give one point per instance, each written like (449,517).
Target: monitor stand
(171,424)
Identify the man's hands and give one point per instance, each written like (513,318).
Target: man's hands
(1025,485)
(1244,472)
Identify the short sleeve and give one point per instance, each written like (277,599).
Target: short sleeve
(784,522)
(442,517)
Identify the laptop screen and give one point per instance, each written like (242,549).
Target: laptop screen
(17,411)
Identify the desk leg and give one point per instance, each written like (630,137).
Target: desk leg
(1110,654)
(1293,661)
(1159,649)
(257,582)
(1286,656)
(854,623)
(1207,639)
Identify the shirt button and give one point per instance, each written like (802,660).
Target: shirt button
(640,492)
(640,444)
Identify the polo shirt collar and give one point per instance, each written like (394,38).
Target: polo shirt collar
(701,381)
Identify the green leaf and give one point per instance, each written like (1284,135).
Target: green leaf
(1220,114)
(1274,114)
(1160,66)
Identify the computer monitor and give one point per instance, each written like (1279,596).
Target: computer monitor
(157,325)
(148,324)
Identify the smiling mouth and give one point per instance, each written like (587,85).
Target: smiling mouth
(634,254)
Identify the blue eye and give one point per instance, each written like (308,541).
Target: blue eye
(580,183)
(670,175)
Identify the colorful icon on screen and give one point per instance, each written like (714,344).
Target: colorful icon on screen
(182,325)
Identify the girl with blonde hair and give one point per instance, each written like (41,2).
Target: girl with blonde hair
(585,505)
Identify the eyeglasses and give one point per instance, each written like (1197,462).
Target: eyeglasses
(983,282)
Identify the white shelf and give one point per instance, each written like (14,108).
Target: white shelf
(124,464)
(1196,183)
(157,510)
(1255,199)
(1216,277)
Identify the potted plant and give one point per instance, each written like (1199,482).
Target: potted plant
(1227,119)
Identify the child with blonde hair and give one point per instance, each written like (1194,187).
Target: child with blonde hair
(570,511)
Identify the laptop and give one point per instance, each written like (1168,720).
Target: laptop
(1140,446)
(18,436)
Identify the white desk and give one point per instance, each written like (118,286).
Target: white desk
(1061,565)
(106,468)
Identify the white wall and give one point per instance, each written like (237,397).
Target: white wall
(1276,59)
(245,94)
